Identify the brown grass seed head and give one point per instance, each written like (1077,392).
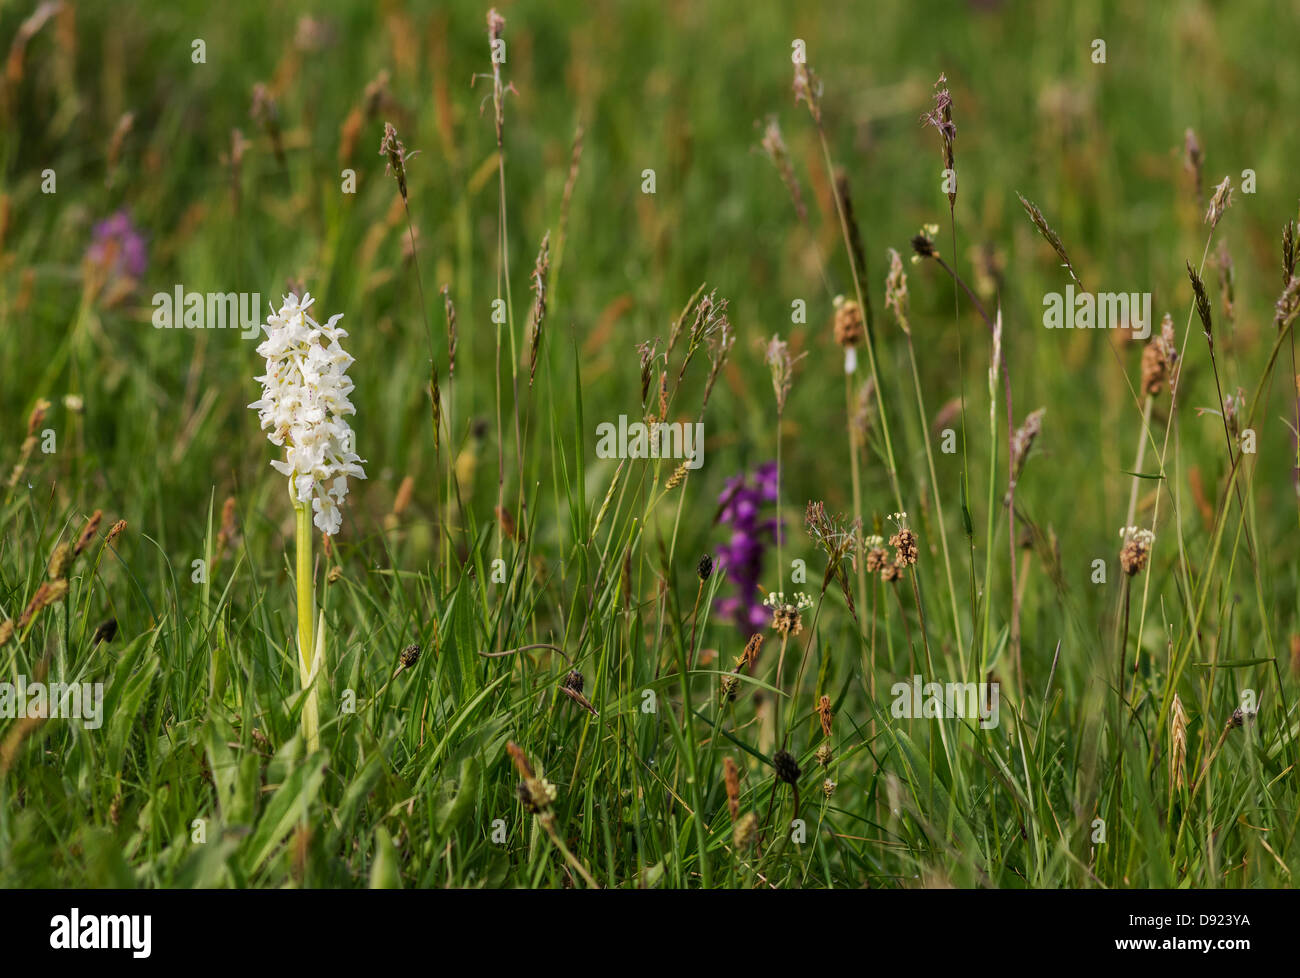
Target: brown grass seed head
(60,562)
(876,554)
(787,616)
(1135,552)
(904,542)
(848,322)
(541,271)
(774,146)
(1177,744)
(896,290)
(731,777)
(88,532)
(728,688)
(825,715)
(1219,203)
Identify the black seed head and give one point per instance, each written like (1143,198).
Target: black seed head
(704,568)
(787,768)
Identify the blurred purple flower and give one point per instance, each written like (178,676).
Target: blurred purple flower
(118,248)
(742,556)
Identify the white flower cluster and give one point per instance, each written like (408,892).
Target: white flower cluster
(1138,534)
(304,405)
(776,599)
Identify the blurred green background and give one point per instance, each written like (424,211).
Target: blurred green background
(682,88)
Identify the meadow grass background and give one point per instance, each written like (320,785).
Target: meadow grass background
(200,717)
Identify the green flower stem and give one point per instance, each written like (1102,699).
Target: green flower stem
(306,620)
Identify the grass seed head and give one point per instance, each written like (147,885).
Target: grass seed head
(60,562)
(896,291)
(1178,743)
(50,592)
(731,778)
(88,532)
(847,322)
(904,541)
(876,554)
(37,417)
(647,353)
(1202,305)
(1220,201)
(536,793)
(745,832)
(225,535)
(728,688)
(392,148)
(940,117)
(780,363)
(678,476)
(1135,552)
(1288,304)
(449,308)
(923,243)
(1023,440)
(856,251)
(105,631)
(1049,235)
(1154,369)
(1289,252)
(808,89)
(541,271)
(786,767)
(774,146)
(787,616)
(1233,406)
(1168,351)
(825,715)
(496,25)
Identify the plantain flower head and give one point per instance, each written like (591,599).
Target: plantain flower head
(304,407)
